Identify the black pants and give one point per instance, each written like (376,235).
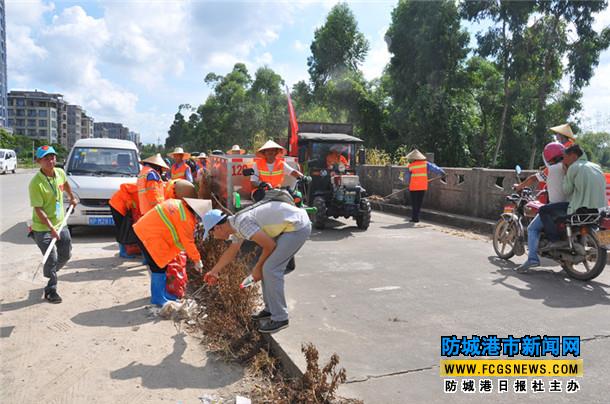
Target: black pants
(149,259)
(417,199)
(123,227)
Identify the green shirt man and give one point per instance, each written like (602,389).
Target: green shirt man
(46,197)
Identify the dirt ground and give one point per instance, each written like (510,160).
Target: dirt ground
(103,344)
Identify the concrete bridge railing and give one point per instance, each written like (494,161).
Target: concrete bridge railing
(476,192)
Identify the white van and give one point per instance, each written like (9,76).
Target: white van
(8,161)
(96,168)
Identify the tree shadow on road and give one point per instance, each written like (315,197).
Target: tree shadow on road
(124,315)
(34,297)
(18,234)
(173,373)
(554,288)
(102,269)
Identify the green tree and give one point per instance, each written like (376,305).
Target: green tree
(597,147)
(337,48)
(430,108)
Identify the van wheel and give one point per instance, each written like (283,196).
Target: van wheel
(14,170)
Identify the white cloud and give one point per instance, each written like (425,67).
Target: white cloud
(378,56)
(299,46)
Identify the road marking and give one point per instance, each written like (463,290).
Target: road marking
(384,288)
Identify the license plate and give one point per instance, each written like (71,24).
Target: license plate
(101,221)
(604,237)
(509,209)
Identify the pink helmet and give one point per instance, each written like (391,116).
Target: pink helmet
(552,151)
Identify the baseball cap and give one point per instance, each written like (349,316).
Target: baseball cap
(211,219)
(44,150)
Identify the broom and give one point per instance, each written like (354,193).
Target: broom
(45,257)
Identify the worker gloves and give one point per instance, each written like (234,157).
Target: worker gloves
(198,266)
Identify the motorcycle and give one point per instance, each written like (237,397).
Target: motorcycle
(587,233)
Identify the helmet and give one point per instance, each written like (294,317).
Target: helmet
(552,151)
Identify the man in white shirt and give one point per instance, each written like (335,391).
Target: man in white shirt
(553,175)
(280,229)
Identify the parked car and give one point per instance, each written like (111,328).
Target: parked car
(8,161)
(96,168)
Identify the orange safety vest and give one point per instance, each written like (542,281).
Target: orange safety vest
(179,172)
(150,193)
(126,198)
(419,175)
(275,177)
(168,229)
(337,158)
(170,190)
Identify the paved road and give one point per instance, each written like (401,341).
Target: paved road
(383,298)
(101,345)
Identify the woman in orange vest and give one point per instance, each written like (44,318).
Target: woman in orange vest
(564,135)
(270,169)
(417,178)
(125,211)
(180,170)
(150,184)
(163,233)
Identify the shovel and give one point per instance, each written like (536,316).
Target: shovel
(45,257)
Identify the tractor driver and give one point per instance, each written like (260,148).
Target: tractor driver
(334,156)
(270,167)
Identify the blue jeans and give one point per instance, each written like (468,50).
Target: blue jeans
(533,237)
(548,214)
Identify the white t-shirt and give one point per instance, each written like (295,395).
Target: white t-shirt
(287,171)
(273,218)
(554,181)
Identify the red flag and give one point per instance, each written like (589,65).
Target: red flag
(293,140)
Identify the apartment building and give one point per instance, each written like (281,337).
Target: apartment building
(38,115)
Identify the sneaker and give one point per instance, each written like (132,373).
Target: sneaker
(260,315)
(527,265)
(290,266)
(52,297)
(272,326)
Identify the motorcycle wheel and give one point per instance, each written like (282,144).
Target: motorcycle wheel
(593,264)
(505,238)
(320,216)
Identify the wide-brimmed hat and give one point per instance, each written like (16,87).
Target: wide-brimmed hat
(200,206)
(179,150)
(156,160)
(271,145)
(202,155)
(235,149)
(184,189)
(416,155)
(564,130)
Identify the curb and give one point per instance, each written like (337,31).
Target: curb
(290,367)
(466,222)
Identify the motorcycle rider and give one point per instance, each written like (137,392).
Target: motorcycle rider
(584,185)
(553,175)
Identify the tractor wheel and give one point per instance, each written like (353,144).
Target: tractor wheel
(320,217)
(363,220)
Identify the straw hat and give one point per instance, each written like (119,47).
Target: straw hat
(200,206)
(156,160)
(202,155)
(271,145)
(184,189)
(416,155)
(235,149)
(179,150)
(564,130)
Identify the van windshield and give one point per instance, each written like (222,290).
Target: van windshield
(103,161)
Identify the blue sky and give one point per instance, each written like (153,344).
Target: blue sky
(135,61)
